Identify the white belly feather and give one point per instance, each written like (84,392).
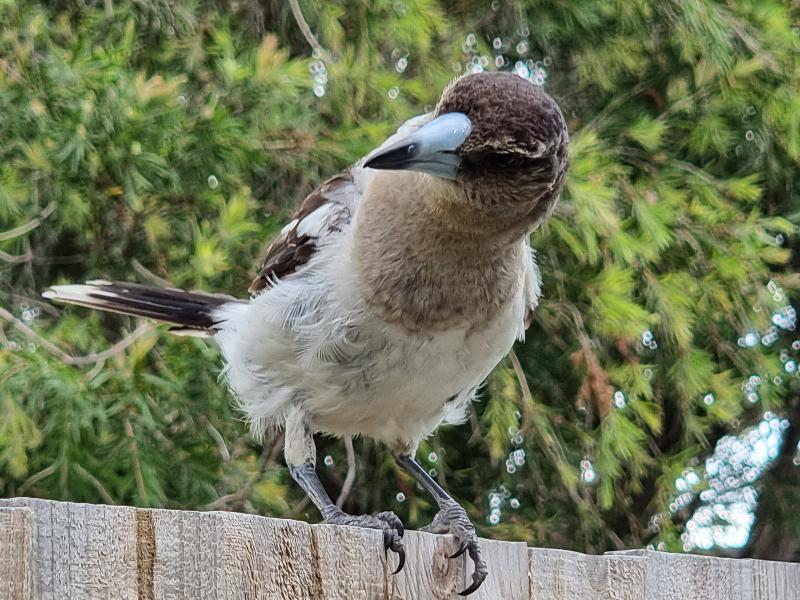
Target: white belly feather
(311,341)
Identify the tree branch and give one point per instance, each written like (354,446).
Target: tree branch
(79,361)
(217,436)
(29,226)
(16,259)
(96,483)
(148,274)
(347,486)
(306,31)
(523,381)
(234,501)
(137,466)
(35,478)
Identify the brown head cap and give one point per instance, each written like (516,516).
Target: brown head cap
(509,114)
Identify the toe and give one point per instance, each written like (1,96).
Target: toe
(392,520)
(464,531)
(440,524)
(480,572)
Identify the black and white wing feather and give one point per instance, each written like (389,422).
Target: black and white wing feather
(322,215)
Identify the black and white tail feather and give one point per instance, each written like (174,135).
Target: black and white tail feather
(190,313)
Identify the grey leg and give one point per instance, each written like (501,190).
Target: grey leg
(301,458)
(450,518)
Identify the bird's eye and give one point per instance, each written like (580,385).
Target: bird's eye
(493,162)
(502,162)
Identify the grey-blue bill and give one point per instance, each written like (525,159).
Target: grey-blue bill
(431,149)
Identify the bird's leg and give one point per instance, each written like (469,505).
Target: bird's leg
(301,458)
(450,518)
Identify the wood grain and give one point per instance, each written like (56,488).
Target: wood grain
(350,563)
(16,533)
(231,555)
(81,550)
(62,550)
(428,572)
(564,575)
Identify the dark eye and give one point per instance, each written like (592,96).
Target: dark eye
(493,162)
(502,162)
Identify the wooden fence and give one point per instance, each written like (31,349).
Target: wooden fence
(66,551)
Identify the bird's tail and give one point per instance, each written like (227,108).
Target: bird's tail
(191,313)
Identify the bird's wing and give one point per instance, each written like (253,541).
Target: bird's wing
(321,217)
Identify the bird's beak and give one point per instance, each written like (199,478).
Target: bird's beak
(430,149)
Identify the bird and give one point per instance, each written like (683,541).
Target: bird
(391,294)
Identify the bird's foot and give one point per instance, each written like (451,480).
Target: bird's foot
(388,522)
(453,519)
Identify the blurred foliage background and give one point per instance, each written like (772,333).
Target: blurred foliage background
(655,400)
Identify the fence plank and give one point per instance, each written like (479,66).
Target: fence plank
(508,571)
(428,573)
(269,558)
(62,550)
(81,550)
(231,555)
(565,575)
(772,579)
(679,576)
(15,554)
(711,578)
(351,563)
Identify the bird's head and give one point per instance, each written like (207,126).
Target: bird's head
(498,137)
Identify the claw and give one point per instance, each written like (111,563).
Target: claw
(387,540)
(401,553)
(480,572)
(460,551)
(476,583)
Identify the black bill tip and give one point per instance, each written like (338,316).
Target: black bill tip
(397,157)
